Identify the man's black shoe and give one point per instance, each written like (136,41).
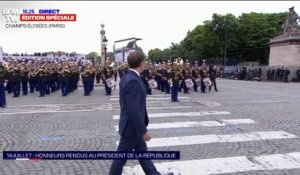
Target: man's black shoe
(167,174)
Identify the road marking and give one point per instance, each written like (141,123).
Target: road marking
(148,102)
(59,108)
(205,139)
(154,95)
(154,98)
(224,165)
(51,105)
(181,114)
(210,103)
(196,124)
(172,107)
(42,112)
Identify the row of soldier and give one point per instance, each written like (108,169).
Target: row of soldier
(280,74)
(171,78)
(48,77)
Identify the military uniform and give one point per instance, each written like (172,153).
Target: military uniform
(277,74)
(32,81)
(158,79)
(194,77)
(86,77)
(163,79)
(2,88)
(282,72)
(16,81)
(286,75)
(183,84)
(47,80)
(298,74)
(98,75)
(176,77)
(145,77)
(213,75)
(64,81)
(9,84)
(272,74)
(202,75)
(42,81)
(269,74)
(166,77)
(107,74)
(73,79)
(24,81)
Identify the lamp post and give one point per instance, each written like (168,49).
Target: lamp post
(223,25)
(225,46)
(105,48)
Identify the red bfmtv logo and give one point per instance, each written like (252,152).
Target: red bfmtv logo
(48,17)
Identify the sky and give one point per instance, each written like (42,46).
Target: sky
(158,23)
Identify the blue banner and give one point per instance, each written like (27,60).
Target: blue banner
(89,155)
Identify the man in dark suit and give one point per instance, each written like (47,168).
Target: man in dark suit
(133,118)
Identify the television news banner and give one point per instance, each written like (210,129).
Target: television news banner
(53,18)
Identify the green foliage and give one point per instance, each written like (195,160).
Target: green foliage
(154,54)
(110,55)
(93,56)
(247,39)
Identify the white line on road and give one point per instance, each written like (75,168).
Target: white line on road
(181,114)
(205,139)
(173,107)
(154,95)
(154,98)
(225,165)
(40,112)
(196,124)
(50,105)
(148,102)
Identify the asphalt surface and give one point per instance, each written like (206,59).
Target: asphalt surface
(85,123)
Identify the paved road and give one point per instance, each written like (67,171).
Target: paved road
(246,128)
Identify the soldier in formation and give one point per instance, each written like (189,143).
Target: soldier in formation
(47,77)
(298,74)
(171,78)
(3,72)
(278,74)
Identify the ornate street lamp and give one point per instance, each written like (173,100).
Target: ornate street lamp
(104,46)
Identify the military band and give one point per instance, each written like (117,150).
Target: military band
(47,77)
(171,78)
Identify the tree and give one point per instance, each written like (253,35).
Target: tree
(141,50)
(247,38)
(111,55)
(155,54)
(92,56)
(98,59)
(256,29)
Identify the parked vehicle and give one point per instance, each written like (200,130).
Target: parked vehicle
(253,74)
(229,72)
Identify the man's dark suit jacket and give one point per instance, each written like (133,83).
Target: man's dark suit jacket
(133,118)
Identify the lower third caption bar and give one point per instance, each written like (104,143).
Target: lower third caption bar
(102,155)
